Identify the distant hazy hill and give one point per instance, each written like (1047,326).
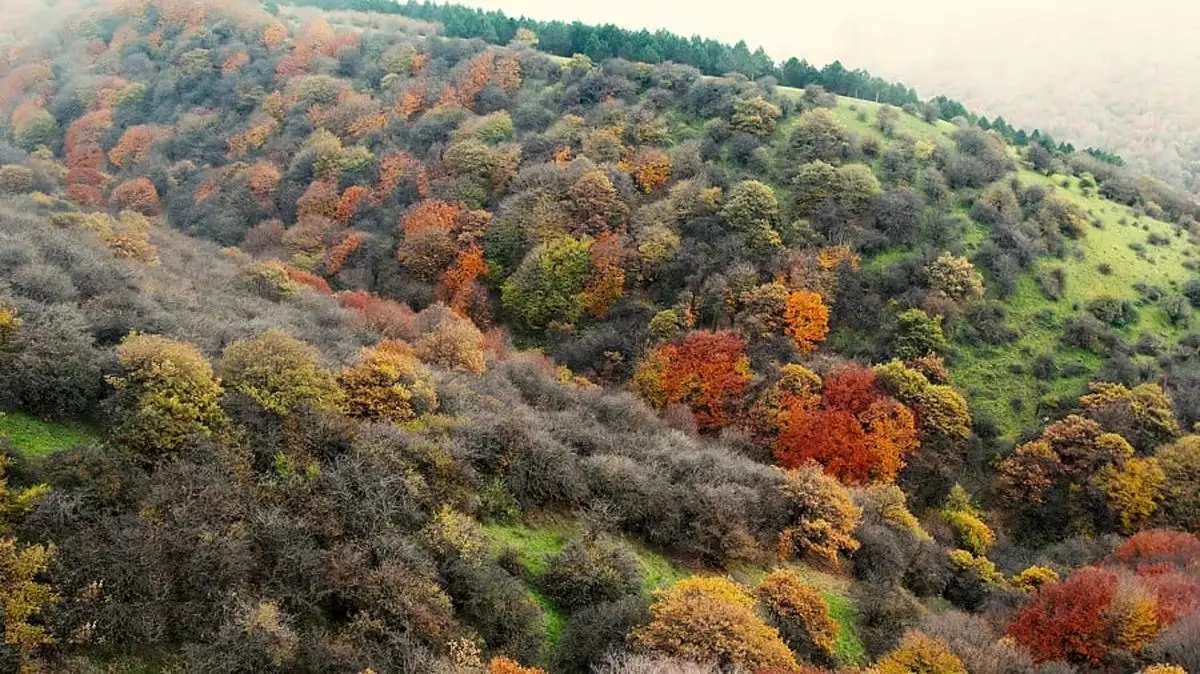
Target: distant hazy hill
(1117,76)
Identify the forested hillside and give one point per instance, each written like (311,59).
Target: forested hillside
(1116,77)
(332,342)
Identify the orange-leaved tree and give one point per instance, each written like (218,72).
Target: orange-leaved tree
(707,371)
(608,255)
(137,194)
(427,245)
(343,247)
(1167,564)
(851,428)
(458,285)
(134,145)
(800,613)
(263,179)
(390,318)
(1069,620)
(806,319)
(353,197)
(321,198)
(504,665)
(651,168)
(821,516)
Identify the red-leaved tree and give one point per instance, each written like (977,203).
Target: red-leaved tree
(1069,620)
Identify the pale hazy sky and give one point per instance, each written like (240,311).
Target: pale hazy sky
(902,39)
(783,29)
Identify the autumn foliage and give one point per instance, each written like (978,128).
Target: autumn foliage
(340,252)
(918,652)
(707,371)
(649,223)
(170,394)
(263,180)
(349,202)
(1150,582)
(1158,549)
(503,665)
(388,383)
(1076,474)
(480,70)
(1167,564)
(279,373)
(800,613)
(711,619)
(453,343)
(821,518)
(320,199)
(133,146)
(138,194)
(459,284)
(852,429)
(651,168)
(608,256)
(1068,620)
(396,168)
(392,319)
(806,319)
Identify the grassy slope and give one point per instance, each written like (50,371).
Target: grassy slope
(37,438)
(994,376)
(534,542)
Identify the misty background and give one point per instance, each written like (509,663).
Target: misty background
(1116,75)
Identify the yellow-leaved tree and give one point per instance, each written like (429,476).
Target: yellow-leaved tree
(918,652)
(280,373)
(167,393)
(22,597)
(712,619)
(389,383)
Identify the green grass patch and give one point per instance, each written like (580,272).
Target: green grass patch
(36,438)
(552,619)
(658,572)
(533,545)
(886,258)
(847,648)
(999,378)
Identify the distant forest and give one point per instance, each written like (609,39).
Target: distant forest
(711,57)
